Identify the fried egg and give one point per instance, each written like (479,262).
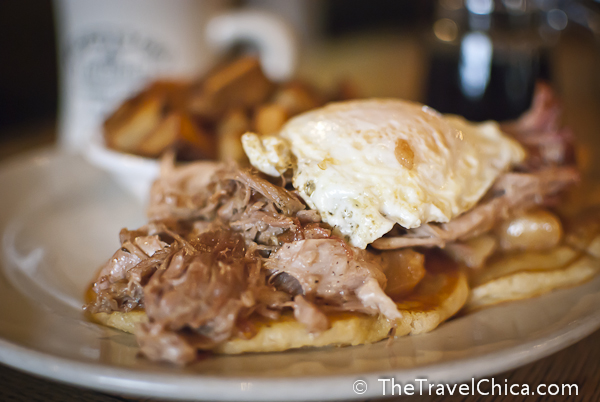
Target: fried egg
(367,165)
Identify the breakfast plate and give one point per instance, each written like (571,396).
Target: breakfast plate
(58,220)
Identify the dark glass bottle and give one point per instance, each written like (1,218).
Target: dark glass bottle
(485,57)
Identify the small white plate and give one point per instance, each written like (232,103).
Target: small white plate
(60,218)
(134,173)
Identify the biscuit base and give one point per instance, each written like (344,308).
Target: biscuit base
(440,295)
(528,284)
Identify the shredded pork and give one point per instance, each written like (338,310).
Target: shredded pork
(334,273)
(203,290)
(548,169)
(512,192)
(215,254)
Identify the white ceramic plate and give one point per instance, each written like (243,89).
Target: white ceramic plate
(60,219)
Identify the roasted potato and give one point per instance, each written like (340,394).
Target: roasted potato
(204,119)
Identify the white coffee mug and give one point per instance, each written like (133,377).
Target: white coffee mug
(110,49)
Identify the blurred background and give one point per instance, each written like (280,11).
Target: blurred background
(478,58)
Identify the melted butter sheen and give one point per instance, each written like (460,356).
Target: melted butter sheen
(394,162)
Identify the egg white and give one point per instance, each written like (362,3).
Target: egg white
(344,164)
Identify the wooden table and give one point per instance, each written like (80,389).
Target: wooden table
(577,78)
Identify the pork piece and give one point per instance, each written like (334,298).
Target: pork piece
(309,315)
(197,285)
(308,216)
(131,253)
(180,191)
(512,192)
(203,190)
(201,294)
(474,252)
(284,200)
(233,198)
(332,272)
(262,223)
(120,280)
(160,344)
(542,115)
(540,132)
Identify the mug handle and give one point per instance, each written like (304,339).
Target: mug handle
(276,42)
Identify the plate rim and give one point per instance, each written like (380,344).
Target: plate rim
(126,381)
(131,382)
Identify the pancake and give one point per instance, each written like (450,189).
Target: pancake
(530,283)
(440,295)
(529,274)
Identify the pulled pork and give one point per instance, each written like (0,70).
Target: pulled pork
(540,132)
(120,281)
(512,192)
(221,249)
(548,169)
(334,273)
(201,293)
